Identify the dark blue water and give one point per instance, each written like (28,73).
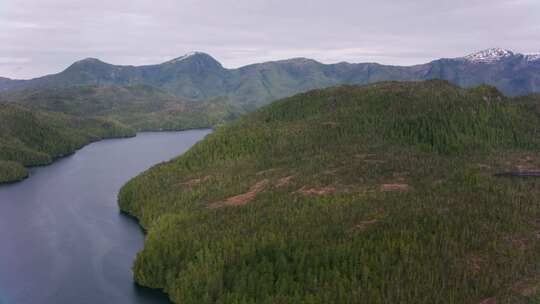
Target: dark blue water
(62,237)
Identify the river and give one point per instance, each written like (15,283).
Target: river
(62,236)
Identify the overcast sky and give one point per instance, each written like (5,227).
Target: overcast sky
(38,37)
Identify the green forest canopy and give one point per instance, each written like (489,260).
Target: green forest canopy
(141,107)
(356,194)
(32,138)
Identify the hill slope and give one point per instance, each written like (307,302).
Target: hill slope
(141,107)
(32,138)
(375,194)
(198,76)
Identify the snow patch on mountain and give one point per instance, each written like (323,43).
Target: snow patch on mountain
(496,54)
(489,55)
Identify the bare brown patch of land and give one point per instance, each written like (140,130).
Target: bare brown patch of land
(484,166)
(364,225)
(518,243)
(489,301)
(395,187)
(528,288)
(332,172)
(266,171)
(523,163)
(193,182)
(475,263)
(317,191)
(241,199)
(284,181)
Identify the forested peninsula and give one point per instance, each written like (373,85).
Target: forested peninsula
(34,138)
(383,193)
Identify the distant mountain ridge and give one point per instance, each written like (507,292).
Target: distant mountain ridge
(198,76)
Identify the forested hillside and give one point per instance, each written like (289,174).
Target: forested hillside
(31,138)
(141,107)
(357,194)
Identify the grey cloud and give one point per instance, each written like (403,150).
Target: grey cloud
(54,33)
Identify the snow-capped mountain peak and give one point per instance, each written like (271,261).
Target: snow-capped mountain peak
(489,55)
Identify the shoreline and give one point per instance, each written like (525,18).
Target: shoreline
(85,187)
(58,157)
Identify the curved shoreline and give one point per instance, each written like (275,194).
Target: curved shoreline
(58,157)
(83,239)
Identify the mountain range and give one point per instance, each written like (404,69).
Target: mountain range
(198,76)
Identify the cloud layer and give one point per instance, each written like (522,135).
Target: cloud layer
(45,36)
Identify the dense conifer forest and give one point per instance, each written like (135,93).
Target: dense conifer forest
(33,138)
(40,124)
(141,107)
(356,194)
